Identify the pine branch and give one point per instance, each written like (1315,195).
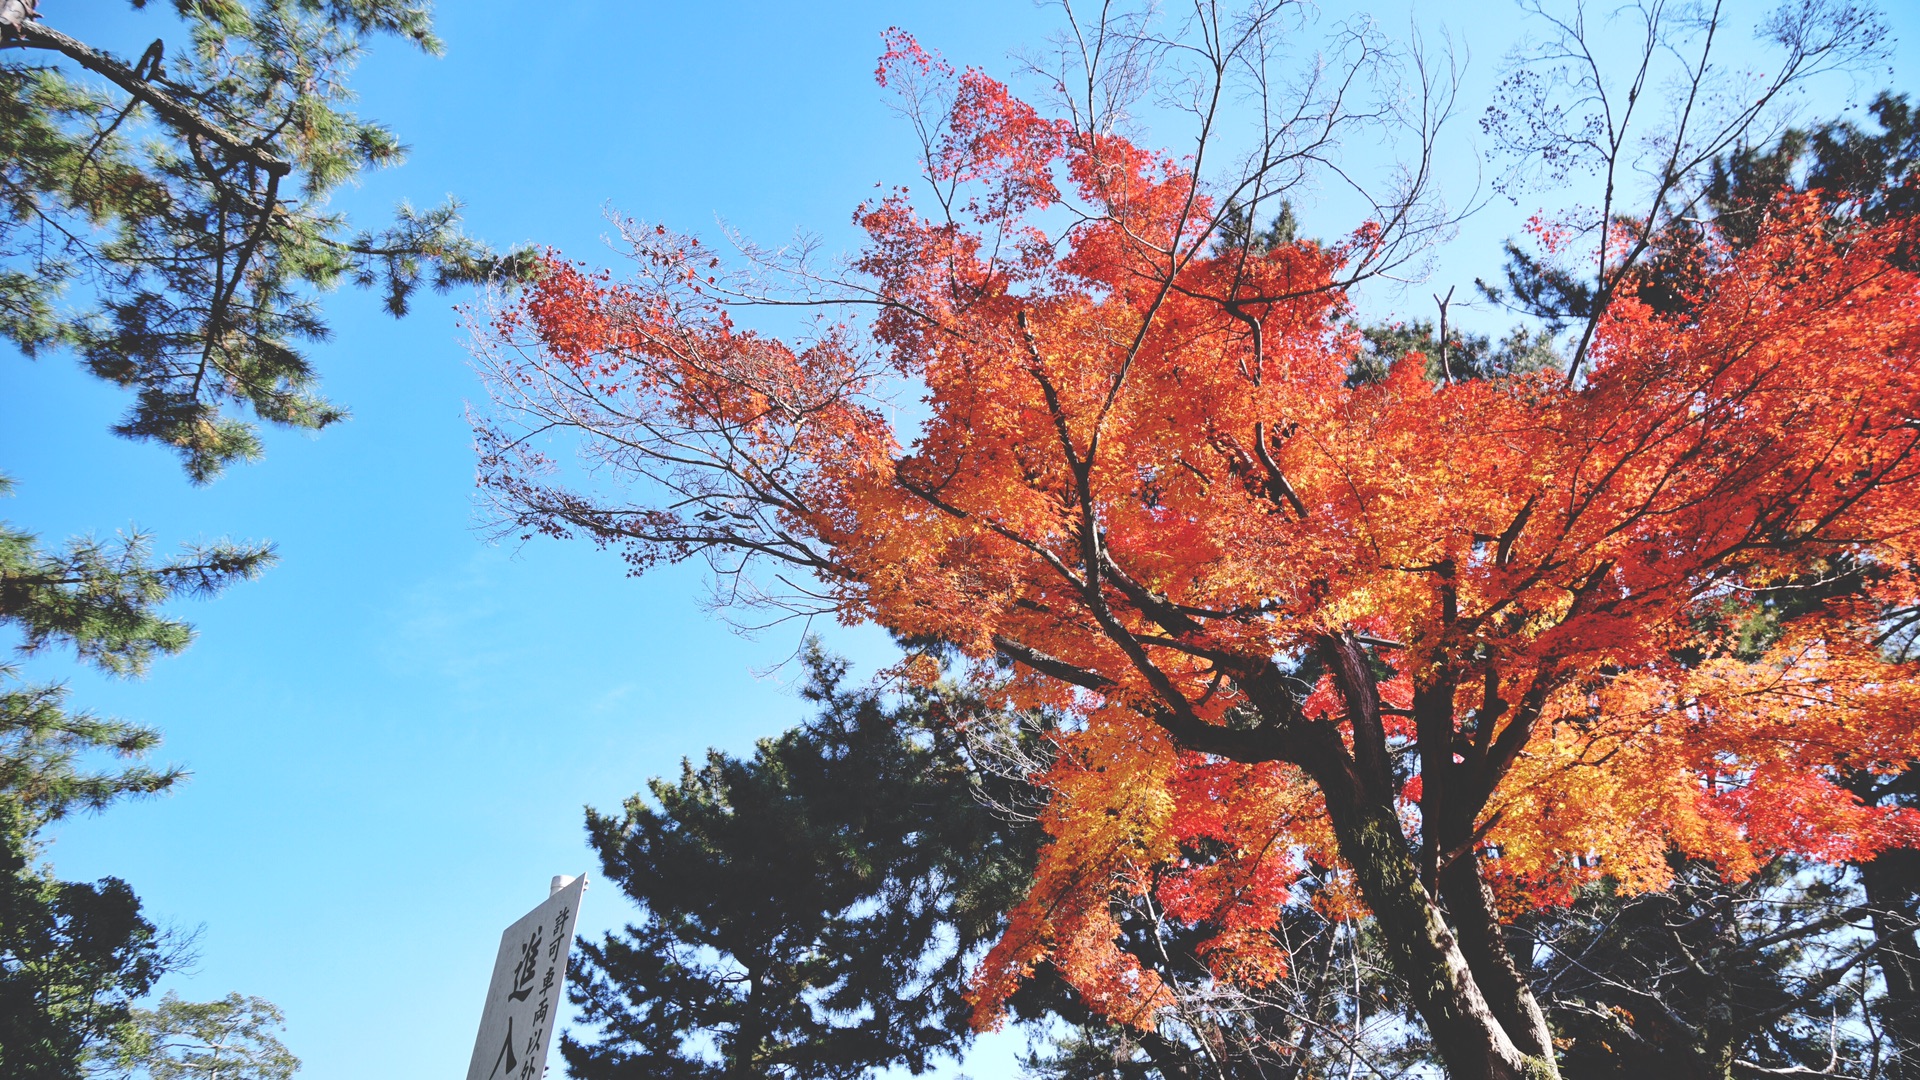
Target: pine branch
(33,35)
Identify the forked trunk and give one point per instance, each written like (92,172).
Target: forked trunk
(1471,1041)
(1471,912)
(1470,1035)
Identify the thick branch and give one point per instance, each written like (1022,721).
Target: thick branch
(1246,745)
(171,109)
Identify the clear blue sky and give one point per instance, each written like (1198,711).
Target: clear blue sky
(392,733)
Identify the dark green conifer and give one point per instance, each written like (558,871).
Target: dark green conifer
(75,956)
(805,913)
(167,219)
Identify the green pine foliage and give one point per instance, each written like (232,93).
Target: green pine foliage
(167,218)
(1466,356)
(1861,174)
(75,956)
(48,755)
(808,912)
(103,599)
(814,911)
(1240,231)
(1710,978)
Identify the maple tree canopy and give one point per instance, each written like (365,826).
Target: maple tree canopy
(1427,633)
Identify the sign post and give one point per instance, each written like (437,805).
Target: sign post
(529,979)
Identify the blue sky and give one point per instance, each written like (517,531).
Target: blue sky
(393,732)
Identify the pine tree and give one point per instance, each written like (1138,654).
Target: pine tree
(814,911)
(166,220)
(806,913)
(75,956)
(1709,978)
(177,206)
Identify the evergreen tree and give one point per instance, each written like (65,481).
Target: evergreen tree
(1336,1009)
(167,218)
(75,956)
(1466,355)
(1862,175)
(805,913)
(1238,230)
(812,911)
(103,600)
(1709,979)
(229,1039)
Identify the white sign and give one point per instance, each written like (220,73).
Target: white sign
(529,980)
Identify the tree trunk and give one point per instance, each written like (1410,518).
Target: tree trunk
(1892,883)
(1359,786)
(743,1052)
(1470,909)
(1470,1039)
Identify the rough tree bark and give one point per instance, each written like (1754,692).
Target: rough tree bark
(1468,1031)
(1892,884)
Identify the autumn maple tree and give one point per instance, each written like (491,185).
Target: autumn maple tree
(1461,640)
